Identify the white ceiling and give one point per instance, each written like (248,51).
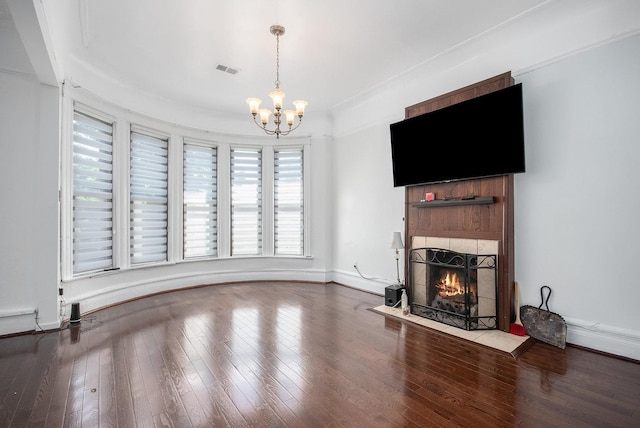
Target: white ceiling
(333,51)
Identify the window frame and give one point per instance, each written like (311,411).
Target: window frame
(302,205)
(261,248)
(89,206)
(186,141)
(160,136)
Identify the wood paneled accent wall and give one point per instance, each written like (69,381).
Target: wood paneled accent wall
(482,221)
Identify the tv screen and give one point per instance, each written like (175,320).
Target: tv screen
(480,137)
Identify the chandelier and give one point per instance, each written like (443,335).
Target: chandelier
(277,96)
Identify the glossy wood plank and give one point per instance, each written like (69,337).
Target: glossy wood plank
(295,355)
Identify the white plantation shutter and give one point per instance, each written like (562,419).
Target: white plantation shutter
(288,203)
(92,194)
(200,201)
(148,190)
(246,202)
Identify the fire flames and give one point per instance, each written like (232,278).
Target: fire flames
(449,285)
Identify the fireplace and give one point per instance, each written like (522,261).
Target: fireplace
(454,288)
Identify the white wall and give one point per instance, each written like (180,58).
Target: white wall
(17,105)
(576,206)
(366,210)
(28,219)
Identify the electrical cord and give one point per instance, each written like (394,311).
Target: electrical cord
(63,307)
(37,323)
(370,278)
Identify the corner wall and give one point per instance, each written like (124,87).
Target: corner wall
(28,219)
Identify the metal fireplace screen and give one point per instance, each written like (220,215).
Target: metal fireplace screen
(454,288)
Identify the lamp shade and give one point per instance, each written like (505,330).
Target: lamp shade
(264,115)
(277,96)
(396,242)
(300,105)
(254,105)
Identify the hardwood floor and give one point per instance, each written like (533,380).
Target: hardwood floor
(295,355)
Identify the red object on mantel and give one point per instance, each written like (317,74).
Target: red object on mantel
(516,327)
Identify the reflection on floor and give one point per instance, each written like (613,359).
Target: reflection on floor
(495,339)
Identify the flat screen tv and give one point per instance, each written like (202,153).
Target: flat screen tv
(480,137)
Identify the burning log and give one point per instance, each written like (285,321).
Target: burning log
(454,304)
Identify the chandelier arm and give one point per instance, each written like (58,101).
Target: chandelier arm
(263,127)
(291,128)
(277,130)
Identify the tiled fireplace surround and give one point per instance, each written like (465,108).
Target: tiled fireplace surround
(486,279)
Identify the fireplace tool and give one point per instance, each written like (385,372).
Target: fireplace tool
(516,327)
(542,324)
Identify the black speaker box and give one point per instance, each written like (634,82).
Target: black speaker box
(75,313)
(392,294)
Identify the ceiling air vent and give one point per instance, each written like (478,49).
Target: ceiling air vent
(226,69)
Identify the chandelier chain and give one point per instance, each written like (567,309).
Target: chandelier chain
(277,60)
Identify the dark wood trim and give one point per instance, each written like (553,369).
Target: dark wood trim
(473,221)
(486,86)
(453,202)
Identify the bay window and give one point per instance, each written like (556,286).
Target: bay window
(137,195)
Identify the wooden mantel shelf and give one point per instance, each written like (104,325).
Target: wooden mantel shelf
(455,201)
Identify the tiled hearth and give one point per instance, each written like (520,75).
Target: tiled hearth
(495,339)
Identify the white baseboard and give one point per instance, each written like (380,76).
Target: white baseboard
(612,340)
(18,320)
(353,280)
(47,326)
(123,291)
(23,320)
